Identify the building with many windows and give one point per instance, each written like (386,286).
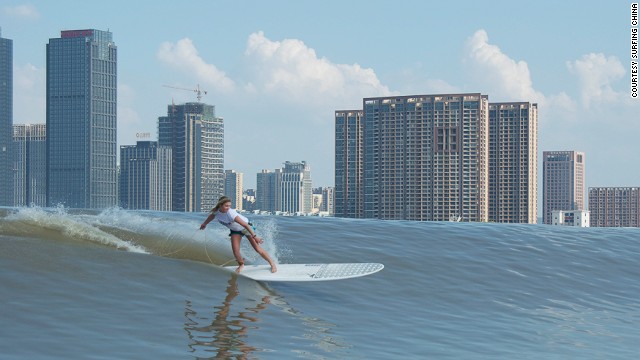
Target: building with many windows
(196,137)
(348,163)
(30,164)
(425,157)
(295,188)
(513,162)
(82,119)
(614,206)
(267,190)
(233,183)
(563,182)
(6,122)
(145,176)
(288,189)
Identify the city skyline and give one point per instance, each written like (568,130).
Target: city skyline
(278,83)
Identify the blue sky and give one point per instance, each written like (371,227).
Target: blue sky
(277,70)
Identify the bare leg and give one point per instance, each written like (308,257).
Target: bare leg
(262,253)
(235,246)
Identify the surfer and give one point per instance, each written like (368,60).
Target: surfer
(239,226)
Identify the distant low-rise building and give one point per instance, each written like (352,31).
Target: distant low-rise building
(570,218)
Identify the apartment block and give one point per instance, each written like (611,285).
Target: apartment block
(426,157)
(513,162)
(614,206)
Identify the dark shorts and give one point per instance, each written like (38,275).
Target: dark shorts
(242,232)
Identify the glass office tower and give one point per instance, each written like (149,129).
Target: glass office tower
(81,119)
(6,122)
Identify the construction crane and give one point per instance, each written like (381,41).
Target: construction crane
(196,90)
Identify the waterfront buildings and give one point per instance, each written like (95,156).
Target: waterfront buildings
(563,182)
(145,176)
(570,218)
(288,189)
(614,206)
(6,121)
(233,183)
(513,162)
(267,190)
(81,119)
(295,188)
(196,137)
(425,157)
(437,157)
(348,163)
(328,201)
(30,165)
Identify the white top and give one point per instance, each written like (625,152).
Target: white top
(228,219)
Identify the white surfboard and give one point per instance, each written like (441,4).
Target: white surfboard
(308,272)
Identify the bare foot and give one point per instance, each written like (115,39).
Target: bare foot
(273,268)
(239,268)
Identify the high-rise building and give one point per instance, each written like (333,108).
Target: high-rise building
(145,176)
(30,164)
(328,200)
(425,157)
(233,183)
(614,206)
(513,162)
(348,163)
(267,190)
(6,122)
(295,188)
(196,137)
(563,182)
(82,119)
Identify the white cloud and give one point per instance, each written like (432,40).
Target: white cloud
(596,73)
(292,70)
(183,56)
(502,77)
(24,12)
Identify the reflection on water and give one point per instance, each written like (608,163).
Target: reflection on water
(233,335)
(224,335)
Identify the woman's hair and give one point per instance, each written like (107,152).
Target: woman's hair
(221,201)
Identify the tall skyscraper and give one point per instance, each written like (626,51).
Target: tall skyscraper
(196,137)
(233,183)
(267,190)
(82,119)
(145,176)
(30,159)
(426,157)
(348,163)
(513,162)
(295,188)
(6,122)
(563,182)
(614,206)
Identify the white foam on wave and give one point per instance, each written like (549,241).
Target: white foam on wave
(70,226)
